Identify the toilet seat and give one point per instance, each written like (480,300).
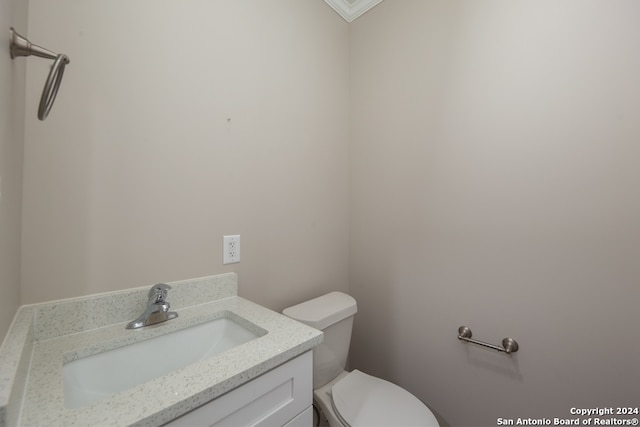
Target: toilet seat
(359,399)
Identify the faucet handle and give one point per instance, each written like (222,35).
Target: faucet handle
(158,293)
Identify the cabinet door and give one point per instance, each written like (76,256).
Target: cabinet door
(305,419)
(273,399)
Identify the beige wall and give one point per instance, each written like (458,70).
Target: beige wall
(178,123)
(495,170)
(13,13)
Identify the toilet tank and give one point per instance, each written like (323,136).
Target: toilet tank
(332,314)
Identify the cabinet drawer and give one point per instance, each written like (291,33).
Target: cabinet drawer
(272,399)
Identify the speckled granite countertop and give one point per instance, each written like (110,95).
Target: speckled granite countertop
(45,336)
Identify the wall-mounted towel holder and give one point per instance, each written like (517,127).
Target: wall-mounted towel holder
(20,46)
(509,345)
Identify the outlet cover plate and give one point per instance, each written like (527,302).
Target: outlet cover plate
(231,249)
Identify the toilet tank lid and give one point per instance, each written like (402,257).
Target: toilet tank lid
(323,311)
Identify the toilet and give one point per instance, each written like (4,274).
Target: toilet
(352,399)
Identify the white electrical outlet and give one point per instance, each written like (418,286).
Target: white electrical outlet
(231,249)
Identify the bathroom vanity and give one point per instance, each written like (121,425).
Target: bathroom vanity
(224,360)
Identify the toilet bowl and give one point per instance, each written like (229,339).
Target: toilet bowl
(352,399)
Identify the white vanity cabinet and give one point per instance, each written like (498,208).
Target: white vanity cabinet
(279,397)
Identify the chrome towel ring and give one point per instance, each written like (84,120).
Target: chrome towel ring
(20,46)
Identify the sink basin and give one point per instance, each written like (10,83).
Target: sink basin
(93,378)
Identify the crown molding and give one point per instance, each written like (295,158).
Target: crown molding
(351,9)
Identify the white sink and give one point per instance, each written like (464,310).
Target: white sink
(93,378)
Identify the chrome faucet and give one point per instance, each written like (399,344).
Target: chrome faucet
(157,308)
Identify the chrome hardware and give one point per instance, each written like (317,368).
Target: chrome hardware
(159,293)
(509,345)
(157,310)
(20,46)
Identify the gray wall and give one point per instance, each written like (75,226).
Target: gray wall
(178,123)
(13,13)
(492,157)
(495,170)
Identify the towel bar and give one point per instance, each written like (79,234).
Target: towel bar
(509,345)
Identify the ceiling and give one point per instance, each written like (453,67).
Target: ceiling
(351,9)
